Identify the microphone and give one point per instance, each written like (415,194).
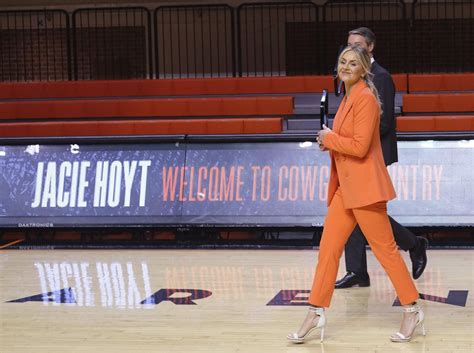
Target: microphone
(323,109)
(338,88)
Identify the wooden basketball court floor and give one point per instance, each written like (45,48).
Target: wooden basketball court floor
(215,301)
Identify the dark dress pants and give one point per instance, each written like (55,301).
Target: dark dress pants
(355,254)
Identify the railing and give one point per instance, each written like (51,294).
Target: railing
(255,39)
(387,18)
(34,45)
(112,43)
(194,41)
(279,39)
(442,36)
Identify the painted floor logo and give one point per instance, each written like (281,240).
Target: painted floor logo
(299,297)
(189,297)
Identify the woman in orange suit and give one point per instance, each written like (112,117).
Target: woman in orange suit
(359,188)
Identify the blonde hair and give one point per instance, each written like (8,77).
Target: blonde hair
(363,58)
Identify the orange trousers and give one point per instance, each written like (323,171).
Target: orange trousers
(375,225)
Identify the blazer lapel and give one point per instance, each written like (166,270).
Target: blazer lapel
(355,91)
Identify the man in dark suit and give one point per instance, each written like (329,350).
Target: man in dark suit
(355,255)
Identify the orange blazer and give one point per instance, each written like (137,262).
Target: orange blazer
(357,164)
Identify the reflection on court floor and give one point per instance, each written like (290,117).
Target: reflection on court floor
(249,298)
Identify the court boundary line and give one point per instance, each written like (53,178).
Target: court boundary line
(11,243)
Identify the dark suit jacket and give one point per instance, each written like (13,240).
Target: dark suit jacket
(388,129)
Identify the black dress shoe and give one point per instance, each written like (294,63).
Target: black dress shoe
(418,257)
(352,279)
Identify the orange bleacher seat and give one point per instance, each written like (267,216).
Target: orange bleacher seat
(31,110)
(241,106)
(6,90)
(80,90)
(274,105)
(318,83)
(155,87)
(423,123)
(441,82)
(142,127)
(166,87)
(77,128)
(415,123)
(438,103)
(136,107)
(400,81)
(454,123)
(8,110)
(73,108)
(205,106)
(293,84)
(12,129)
(192,127)
(28,89)
(90,89)
(254,85)
(221,86)
(189,87)
(262,125)
(115,128)
(152,127)
(225,126)
(100,108)
(175,107)
(121,88)
(169,107)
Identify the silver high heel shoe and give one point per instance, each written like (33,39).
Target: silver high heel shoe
(318,324)
(415,308)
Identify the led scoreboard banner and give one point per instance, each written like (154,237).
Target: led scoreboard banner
(259,184)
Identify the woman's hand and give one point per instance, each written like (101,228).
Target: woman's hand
(321,135)
(321,147)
